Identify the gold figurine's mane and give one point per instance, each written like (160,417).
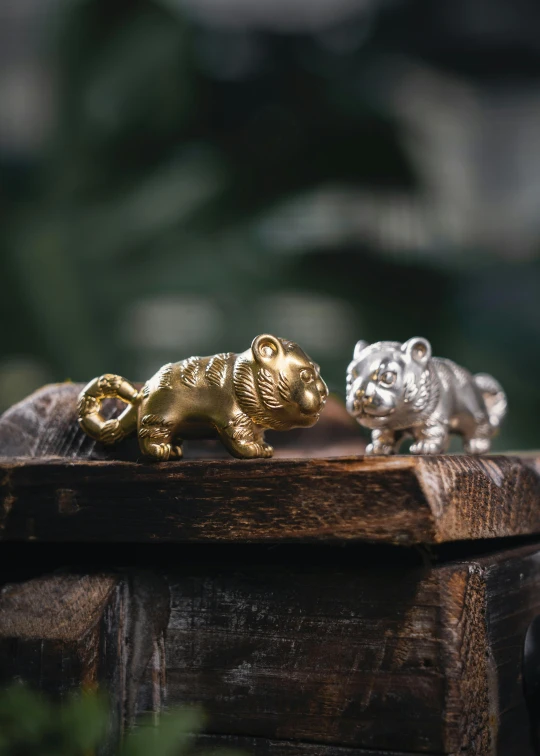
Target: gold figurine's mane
(259,397)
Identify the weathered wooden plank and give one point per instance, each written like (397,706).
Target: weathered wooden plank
(80,495)
(47,608)
(324,655)
(50,629)
(512,603)
(71,631)
(423,660)
(265,747)
(292,654)
(402,500)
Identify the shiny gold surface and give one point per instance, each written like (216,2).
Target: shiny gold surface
(236,397)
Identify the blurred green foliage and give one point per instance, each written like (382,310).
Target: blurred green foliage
(193,192)
(32,725)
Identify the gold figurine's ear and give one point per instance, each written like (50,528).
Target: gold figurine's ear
(266,348)
(418,349)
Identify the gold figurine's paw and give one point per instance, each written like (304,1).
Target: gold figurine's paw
(267,450)
(253,450)
(111,432)
(163,452)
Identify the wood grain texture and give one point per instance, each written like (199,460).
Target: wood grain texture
(62,608)
(401,500)
(56,484)
(422,660)
(52,629)
(265,747)
(321,655)
(291,655)
(68,631)
(512,602)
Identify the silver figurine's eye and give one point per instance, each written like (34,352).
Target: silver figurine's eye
(388,378)
(307,376)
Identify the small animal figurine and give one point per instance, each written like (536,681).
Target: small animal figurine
(400,390)
(236,397)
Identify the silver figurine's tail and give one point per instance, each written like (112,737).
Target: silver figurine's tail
(494,397)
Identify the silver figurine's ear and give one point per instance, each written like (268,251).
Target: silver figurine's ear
(418,349)
(360,346)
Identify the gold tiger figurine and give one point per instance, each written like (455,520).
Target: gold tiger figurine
(236,397)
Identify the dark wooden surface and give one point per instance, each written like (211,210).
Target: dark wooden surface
(402,500)
(104,631)
(58,485)
(266,747)
(424,659)
(321,656)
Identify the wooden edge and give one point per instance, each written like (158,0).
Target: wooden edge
(400,500)
(482,497)
(69,630)
(487,606)
(268,747)
(61,607)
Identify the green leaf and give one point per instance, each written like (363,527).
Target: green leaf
(25,717)
(172,736)
(83,721)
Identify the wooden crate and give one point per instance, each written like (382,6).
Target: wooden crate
(318,603)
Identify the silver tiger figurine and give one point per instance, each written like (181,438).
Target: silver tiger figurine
(400,390)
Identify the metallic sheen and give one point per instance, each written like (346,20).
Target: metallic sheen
(398,390)
(236,397)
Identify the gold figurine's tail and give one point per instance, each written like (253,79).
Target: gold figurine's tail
(90,419)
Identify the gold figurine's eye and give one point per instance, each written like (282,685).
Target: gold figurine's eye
(388,378)
(307,376)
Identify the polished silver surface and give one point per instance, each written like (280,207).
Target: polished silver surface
(399,390)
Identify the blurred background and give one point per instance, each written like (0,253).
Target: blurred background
(177,176)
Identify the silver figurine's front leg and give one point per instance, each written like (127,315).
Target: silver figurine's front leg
(430,439)
(479,442)
(382,442)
